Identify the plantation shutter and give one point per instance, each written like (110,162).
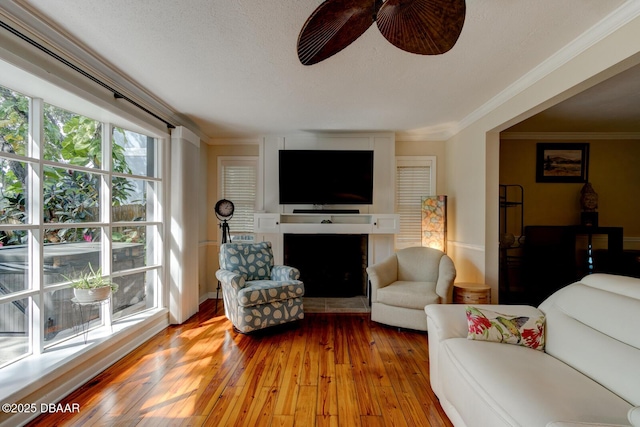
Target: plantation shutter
(239,182)
(413,182)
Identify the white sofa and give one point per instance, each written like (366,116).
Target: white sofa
(587,375)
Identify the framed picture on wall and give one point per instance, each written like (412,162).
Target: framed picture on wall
(562,162)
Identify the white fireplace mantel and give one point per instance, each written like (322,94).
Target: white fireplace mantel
(326,223)
(272,226)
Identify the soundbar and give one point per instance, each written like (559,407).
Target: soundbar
(326,211)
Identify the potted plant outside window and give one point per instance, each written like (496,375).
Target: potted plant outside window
(91,286)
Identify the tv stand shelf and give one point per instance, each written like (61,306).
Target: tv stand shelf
(326,223)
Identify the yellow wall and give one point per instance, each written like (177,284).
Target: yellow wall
(426,148)
(613,172)
(466,171)
(209,230)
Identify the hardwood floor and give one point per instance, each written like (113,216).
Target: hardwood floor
(327,370)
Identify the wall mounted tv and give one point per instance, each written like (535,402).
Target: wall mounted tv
(326,177)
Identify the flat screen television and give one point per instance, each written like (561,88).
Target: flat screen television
(326,177)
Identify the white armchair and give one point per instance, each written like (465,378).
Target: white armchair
(407,281)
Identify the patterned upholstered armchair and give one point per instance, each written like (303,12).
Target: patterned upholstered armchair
(256,293)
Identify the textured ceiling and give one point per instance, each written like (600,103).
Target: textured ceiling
(231,65)
(611,106)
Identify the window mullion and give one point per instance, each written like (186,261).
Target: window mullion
(35,179)
(105,198)
(105,213)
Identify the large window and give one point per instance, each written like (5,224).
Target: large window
(415,178)
(75,194)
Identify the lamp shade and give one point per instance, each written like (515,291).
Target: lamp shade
(434,222)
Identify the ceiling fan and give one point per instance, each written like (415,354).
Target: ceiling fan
(425,27)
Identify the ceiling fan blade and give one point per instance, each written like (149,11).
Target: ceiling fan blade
(425,27)
(334,25)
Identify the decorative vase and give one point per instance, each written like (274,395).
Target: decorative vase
(92,295)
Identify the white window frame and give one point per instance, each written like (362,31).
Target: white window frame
(34,158)
(252,161)
(42,374)
(401,241)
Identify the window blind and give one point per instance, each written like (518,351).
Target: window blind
(239,186)
(413,181)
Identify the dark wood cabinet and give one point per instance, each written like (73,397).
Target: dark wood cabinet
(555,256)
(511,236)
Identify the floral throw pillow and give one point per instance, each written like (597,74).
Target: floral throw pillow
(487,325)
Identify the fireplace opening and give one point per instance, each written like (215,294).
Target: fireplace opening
(331,265)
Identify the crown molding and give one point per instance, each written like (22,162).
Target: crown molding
(433,133)
(575,136)
(617,19)
(24,18)
(235,141)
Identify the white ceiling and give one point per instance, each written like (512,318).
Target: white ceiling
(231,65)
(611,106)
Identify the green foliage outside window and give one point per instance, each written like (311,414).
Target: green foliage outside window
(69,195)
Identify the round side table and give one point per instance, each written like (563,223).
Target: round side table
(471,293)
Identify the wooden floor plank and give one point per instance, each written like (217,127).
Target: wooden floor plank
(289,387)
(327,421)
(326,370)
(392,412)
(373,421)
(364,370)
(327,404)
(262,411)
(306,408)
(220,416)
(348,405)
(310,365)
(282,421)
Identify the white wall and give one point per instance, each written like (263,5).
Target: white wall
(472,154)
(183,263)
(382,144)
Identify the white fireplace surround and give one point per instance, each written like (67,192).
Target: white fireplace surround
(379,227)
(377,220)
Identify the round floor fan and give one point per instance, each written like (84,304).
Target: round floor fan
(224,211)
(425,27)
